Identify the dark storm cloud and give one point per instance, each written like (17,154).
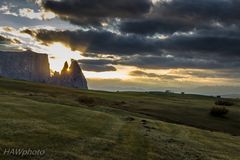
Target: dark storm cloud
(200,34)
(199,44)
(138,73)
(168,17)
(221,10)
(202,49)
(101,42)
(97,65)
(214,25)
(152,26)
(203,43)
(164,62)
(86,12)
(143,17)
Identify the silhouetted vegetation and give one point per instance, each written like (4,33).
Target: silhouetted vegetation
(129,119)
(219,111)
(224,103)
(89,101)
(121,103)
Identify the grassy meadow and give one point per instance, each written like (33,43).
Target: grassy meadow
(71,124)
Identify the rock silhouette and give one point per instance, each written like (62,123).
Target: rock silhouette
(70,76)
(65,68)
(31,66)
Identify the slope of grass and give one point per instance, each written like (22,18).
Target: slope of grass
(121,126)
(191,110)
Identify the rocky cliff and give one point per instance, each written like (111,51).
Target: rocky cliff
(70,76)
(24,66)
(35,67)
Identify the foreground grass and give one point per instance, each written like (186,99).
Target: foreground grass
(45,117)
(190,110)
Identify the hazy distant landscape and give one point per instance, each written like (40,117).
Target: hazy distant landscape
(74,124)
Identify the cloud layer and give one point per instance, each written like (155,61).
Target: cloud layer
(202,49)
(168,17)
(167,34)
(85,12)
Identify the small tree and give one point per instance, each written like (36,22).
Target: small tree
(219,111)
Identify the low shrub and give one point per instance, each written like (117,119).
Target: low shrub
(224,103)
(219,111)
(30,94)
(121,103)
(129,119)
(89,101)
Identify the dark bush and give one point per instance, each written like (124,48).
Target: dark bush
(30,94)
(219,111)
(224,103)
(89,101)
(121,103)
(129,119)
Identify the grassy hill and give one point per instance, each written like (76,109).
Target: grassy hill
(72,124)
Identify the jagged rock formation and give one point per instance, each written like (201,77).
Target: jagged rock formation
(35,67)
(24,66)
(70,76)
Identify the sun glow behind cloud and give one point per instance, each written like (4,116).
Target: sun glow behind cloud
(58,54)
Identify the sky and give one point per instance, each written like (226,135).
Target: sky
(143,45)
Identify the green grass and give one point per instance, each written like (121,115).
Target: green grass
(119,126)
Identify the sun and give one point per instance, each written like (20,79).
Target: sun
(59,54)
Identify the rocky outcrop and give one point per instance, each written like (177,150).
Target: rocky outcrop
(70,76)
(35,67)
(24,66)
